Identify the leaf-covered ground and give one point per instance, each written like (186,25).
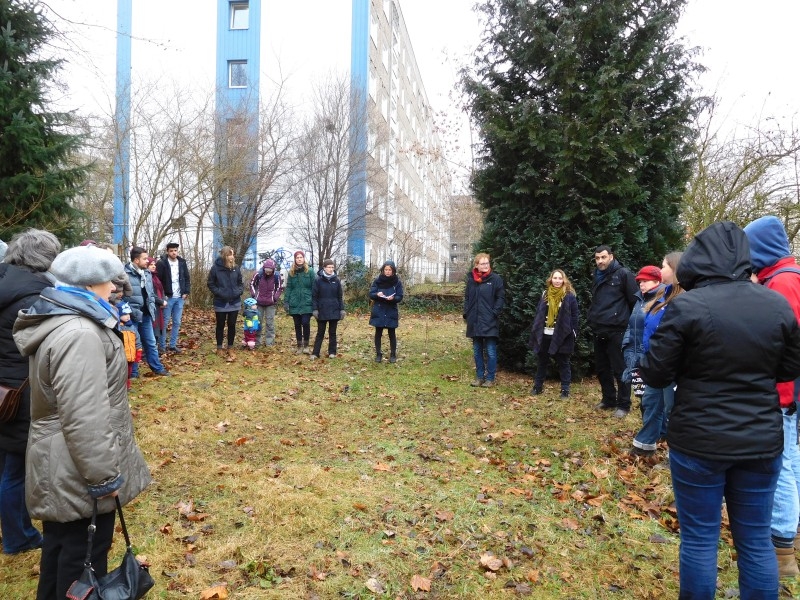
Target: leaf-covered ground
(279,477)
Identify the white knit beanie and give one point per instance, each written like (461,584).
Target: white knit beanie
(86,265)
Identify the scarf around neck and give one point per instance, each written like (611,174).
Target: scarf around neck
(554,298)
(478,278)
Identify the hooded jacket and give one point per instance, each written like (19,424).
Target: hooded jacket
(297,299)
(266,288)
(19,288)
(778,270)
(81,443)
(613,298)
(724,342)
(633,347)
(226,285)
(137,300)
(483,303)
(385,312)
(327,297)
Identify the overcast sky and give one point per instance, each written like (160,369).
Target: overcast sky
(749,48)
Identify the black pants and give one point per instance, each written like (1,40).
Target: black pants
(302,328)
(228,318)
(562,362)
(610,364)
(392,339)
(64,550)
(321,335)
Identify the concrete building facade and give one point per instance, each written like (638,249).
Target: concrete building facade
(401,211)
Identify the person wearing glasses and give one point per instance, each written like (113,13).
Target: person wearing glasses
(484,299)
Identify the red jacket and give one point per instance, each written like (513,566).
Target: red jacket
(787,284)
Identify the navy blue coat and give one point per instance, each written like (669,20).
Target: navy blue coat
(327,298)
(565,329)
(385,312)
(226,285)
(483,303)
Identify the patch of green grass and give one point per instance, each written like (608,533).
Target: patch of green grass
(318,479)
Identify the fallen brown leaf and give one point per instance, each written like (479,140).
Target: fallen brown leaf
(420,583)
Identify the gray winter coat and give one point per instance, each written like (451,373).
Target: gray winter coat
(81,443)
(136,299)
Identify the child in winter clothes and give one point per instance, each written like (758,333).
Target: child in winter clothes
(327,303)
(252,325)
(266,287)
(386,293)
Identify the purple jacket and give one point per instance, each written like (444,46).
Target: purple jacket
(266,290)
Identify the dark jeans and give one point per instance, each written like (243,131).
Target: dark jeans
(610,364)
(321,335)
(562,362)
(64,550)
(302,328)
(229,319)
(18,532)
(748,487)
(392,339)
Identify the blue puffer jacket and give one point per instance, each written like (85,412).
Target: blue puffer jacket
(327,298)
(633,341)
(136,300)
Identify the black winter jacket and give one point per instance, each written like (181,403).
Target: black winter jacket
(164,273)
(19,289)
(483,303)
(612,299)
(565,329)
(385,312)
(226,285)
(327,298)
(725,342)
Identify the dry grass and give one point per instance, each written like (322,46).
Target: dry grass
(346,479)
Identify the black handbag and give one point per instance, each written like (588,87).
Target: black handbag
(129,581)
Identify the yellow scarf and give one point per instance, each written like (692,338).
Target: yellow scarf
(554,297)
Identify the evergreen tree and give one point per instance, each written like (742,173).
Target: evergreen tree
(585,111)
(37,181)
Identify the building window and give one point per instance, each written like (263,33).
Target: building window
(240,15)
(237,73)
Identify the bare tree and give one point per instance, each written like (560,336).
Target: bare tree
(745,174)
(328,168)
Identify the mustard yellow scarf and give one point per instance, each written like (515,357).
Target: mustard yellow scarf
(554,297)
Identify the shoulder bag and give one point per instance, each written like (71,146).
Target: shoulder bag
(9,401)
(129,581)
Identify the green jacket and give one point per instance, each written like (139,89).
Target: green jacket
(297,295)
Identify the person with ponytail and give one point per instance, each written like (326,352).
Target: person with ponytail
(554,330)
(484,299)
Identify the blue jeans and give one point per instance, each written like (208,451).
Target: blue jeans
(653,416)
(786,508)
(18,532)
(669,402)
(485,370)
(173,314)
(748,487)
(149,348)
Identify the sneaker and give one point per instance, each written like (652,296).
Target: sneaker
(175,350)
(636,451)
(331,356)
(488,383)
(306,349)
(620,413)
(536,391)
(163,373)
(565,393)
(603,406)
(477,383)
(313,357)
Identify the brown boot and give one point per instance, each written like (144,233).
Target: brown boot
(787,565)
(231,356)
(220,352)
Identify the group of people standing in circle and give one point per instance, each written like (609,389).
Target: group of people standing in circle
(305,295)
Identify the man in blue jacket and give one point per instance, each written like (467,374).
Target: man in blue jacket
(613,297)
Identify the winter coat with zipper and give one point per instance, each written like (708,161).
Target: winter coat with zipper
(613,298)
(266,289)
(724,342)
(633,341)
(81,443)
(385,312)
(19,288)
(226,285)
(483,303)
(136,300)
(327,298)
(565,329)
(297,295)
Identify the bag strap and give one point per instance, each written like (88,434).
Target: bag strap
(93,527)
(23,386)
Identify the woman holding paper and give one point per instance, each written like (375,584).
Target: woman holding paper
(386,293)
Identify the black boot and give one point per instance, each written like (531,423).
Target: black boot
(378,357)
